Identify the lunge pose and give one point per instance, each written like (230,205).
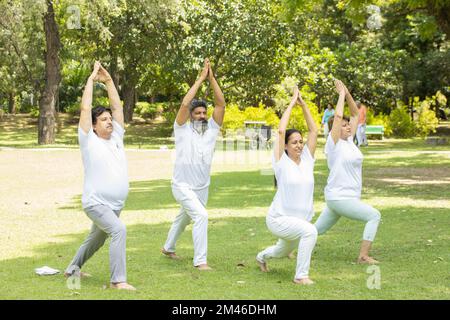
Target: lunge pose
(343,189)
(100,134)
(292,208)
(195,139)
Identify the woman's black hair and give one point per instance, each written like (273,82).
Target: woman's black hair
(289,132)
(331,120)
(97,111)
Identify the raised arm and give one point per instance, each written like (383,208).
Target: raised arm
(113,96)
(354,112)
(86,101)
(339,112)
(219,100)
(312,127)
(279,147)
(183,112)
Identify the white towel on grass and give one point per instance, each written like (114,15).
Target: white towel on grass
(46,271)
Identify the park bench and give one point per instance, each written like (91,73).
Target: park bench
(375,130)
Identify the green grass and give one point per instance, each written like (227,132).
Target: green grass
(406,180)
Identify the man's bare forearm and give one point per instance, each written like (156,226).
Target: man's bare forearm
(113,96)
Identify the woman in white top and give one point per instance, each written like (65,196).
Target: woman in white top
(292,207)
(343,189)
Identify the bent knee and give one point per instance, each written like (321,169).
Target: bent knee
(119,230)
(201,216)
(376,216)
(320,229)
(311,232)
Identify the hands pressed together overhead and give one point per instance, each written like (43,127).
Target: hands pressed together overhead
(340,87)
(207,72)
(297,97)
(99,73)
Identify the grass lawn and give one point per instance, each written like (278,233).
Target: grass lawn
(43,224)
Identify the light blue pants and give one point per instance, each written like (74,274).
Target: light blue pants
(353,209)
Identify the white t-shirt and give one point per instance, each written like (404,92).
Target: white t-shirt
(105,168)
(194,154)
(295,186)
(345,165)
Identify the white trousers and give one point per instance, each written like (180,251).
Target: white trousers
(361,135)
(325,130)
(193,205)
(293,233)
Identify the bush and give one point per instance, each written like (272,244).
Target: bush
(34,112)
(99,101)
(261,113)
(234,117)
(401,123)
(170,117)
(379,120)
(73,109)
(297,120)
(147,110)
(427,121)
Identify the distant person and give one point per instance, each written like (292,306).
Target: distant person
(100,134)
(292,208)
(361,131)
(195,139)
(344,184)
(328,113)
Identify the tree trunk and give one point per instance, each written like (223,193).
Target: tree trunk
(411,108)
(47,101)
(11,103)
(114,71)
(129,101)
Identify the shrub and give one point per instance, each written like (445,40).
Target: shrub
(427,121)
(298,121)
(170,117)
(34,112)
(261,113)
(401,123)
(73,109)
(380,120)
(100,101)
(234,117)
(147,110)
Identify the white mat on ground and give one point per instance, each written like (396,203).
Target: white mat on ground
(46,271)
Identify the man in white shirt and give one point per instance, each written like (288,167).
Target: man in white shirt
(194,143)
(100,134)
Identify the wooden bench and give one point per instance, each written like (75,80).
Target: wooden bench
(375,130)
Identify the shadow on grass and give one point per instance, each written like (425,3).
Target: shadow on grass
(409,262)
(250,189)
(247,189)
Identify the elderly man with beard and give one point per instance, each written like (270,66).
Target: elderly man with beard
(194,143)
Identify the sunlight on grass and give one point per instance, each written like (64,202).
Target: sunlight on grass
(43,224)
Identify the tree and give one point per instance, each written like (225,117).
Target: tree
(49,96)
